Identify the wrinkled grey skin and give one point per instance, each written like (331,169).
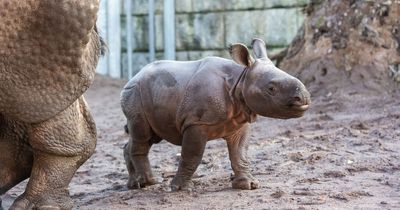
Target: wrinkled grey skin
(190,103)
(48,55)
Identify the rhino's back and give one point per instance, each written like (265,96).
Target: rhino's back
(48,54)
(162,82)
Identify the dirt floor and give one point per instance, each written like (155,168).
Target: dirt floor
(343,154)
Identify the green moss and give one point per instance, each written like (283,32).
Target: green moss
(320,22)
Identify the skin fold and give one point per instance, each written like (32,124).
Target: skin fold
(189,103)
(48,54)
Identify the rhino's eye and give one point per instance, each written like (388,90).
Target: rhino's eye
(271,89)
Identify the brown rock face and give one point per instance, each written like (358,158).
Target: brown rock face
(347,46)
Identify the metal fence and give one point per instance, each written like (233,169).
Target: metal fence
(109,24)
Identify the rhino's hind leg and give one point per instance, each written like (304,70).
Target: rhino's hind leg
(14,172)
(136,153)
(45,190)
(237,146)
(60,146)
(14,169)
(16,155)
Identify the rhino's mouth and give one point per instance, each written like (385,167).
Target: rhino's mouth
(303,107)
(298,106)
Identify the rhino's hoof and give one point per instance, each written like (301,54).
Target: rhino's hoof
(48,207)
(179,183)
(245,183)
(21,203)
(136,183)
(55,202)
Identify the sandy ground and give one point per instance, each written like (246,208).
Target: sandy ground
(343,154)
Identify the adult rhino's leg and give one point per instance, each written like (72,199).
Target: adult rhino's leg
(237,146)
(15,154)
(60,146)
(193,145)
(15,164)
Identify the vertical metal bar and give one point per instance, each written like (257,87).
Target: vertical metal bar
(169,29)
(114,37)
(152,40)
(102,67)
(129,36)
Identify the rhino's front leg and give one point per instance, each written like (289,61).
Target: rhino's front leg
(237,146)
(193,145)
(60,146)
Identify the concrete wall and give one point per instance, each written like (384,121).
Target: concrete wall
(207,27)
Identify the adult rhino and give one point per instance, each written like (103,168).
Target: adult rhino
(48,54)
(190,103)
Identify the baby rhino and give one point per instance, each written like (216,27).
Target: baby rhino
(189,103)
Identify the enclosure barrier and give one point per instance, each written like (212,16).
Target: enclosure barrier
(109,23)
(140,31)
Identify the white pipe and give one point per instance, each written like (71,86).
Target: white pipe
(169,29)
(129,36)
(152,50)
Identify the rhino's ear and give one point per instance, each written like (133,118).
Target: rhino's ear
(240,54)
(259,48)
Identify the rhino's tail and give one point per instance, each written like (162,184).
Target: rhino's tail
(126,128)
(103,44)
(103,47)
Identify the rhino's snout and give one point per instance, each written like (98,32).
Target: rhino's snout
(300,101)
(289,92)
(300,97)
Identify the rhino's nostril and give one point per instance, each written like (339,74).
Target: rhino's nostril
(296,98)
(296,101)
